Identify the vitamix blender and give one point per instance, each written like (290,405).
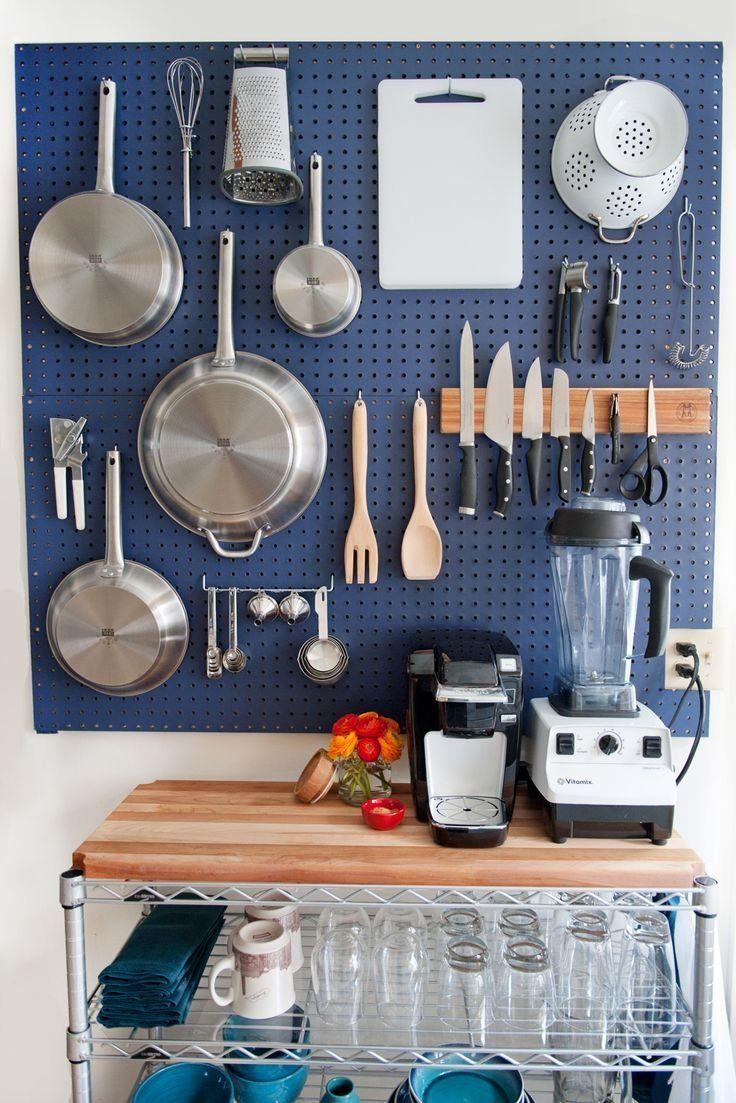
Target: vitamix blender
(599,759)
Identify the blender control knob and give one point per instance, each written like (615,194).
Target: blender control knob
(609,743)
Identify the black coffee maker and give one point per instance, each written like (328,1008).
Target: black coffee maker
(465,705)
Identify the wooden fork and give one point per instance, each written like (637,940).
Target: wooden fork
(361,549)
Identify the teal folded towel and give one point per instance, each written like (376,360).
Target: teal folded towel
(153,979)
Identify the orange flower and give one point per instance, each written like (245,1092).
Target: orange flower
(391,745)
(391,724)
(369,724)
(342,746)
(345,724)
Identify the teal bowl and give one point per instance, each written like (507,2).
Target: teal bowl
(264,1037)
(465,1083)
(285,1090)
(186,1082)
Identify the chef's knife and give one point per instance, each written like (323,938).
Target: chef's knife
(468,488)
(531,426)
(498,424)
(560,427)
(587,470)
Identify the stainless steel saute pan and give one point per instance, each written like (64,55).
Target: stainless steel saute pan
(104,266)
(116,626)
(231,445)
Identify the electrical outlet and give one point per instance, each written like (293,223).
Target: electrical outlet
(712,645)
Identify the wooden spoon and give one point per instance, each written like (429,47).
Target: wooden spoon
(421,548)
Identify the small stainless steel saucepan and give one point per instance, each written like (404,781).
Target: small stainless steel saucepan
(316,289)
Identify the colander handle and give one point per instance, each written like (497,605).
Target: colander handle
(616,77)
(598,222)
(252,547)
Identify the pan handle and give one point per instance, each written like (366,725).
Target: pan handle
(106,138)
(225,350)
(114,563)
(252,547)
(315,200)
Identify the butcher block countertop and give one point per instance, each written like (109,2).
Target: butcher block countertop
(257,832)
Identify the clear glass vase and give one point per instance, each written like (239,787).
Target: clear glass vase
(359,781)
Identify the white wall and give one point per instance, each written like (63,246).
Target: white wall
(54,789)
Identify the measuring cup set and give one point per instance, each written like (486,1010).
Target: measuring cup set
(322,659)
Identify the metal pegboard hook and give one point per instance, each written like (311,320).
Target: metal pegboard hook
(268,589)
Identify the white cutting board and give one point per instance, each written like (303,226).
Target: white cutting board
(450,184)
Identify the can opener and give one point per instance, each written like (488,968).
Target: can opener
(67,452)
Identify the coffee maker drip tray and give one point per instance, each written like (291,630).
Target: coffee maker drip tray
(468,811)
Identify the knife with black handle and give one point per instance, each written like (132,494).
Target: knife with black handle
(531,426)
(498,424)
(560,428)
(587,465)
(534,468)
(564,472)
(504,483)
(468,481)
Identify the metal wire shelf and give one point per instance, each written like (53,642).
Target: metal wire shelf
(433,897)
(370,1045)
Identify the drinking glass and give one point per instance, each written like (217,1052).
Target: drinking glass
(390,921)
(524,1000)
(340,960)
(586,1004)
(512,923)
(400,968)
(584,904)
(454,922)
(647,992)
(355,919)
(464,992)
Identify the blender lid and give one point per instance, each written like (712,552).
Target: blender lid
(604,521)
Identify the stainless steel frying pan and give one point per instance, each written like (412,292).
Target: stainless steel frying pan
(116,626)
(231,445)
(104,266)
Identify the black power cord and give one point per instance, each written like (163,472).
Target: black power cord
(689,650)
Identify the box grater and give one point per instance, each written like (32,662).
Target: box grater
(258,167)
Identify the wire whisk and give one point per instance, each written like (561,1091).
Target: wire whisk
(686,246)
(185,81)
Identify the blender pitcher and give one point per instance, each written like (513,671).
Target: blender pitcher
(596,563)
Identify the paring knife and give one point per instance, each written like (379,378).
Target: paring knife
(560,428)
(498,424)
(587,469)
(531,426)
(468,482)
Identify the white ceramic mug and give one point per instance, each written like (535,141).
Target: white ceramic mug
(285,912)
(260,961)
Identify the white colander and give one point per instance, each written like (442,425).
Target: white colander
(618,157)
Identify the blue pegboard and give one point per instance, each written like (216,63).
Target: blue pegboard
(494,574)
